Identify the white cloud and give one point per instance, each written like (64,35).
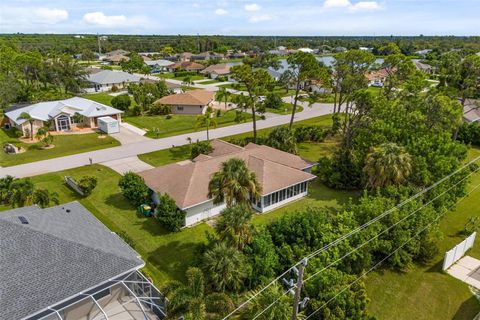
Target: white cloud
(221,12)
(365,6)
(337,4)
(252,7)
(50,16)
(100,19)
(260,18)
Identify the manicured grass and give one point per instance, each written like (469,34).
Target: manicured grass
(192,78)
(105,98)
(240,87)
(166,156)
(177,124)
(285,109)
(425,291)
(64,145)
(208,82)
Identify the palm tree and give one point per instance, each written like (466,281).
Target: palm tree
(234,226)
(234,184)
(386,165)
(225,267)
(43,198)
(43,134)
(223,94)
(190,301)
(283,138)
(21,193)
(207,120)
(28,117)
(282,309)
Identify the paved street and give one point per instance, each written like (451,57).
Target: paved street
(136,148)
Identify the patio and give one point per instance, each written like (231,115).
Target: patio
(467,270)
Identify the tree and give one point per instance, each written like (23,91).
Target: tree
(303,67)
(167,51)
(43,134)
(21,193)
(69,73)
(282,138)
(145,94)
(224,267)
(234,226)
(281,310)
(87,184)
(167,212)
(256,82)
(122,102)
(207,120)
(273,101)
(222,95)
(134,188)
(234,184)
(135,63)
(28,117)
(285,79)
(387,164)
(200,147)
(190,300)
(88,55)
(43,198)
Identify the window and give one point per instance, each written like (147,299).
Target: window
(179,108)
(101,294)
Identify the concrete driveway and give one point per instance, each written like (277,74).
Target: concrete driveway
(125,165)
(129,134)
(467,270)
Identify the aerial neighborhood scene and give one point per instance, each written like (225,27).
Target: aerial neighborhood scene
(233,160)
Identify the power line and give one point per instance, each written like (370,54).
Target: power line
(348,235)
(366,242)
(389,255)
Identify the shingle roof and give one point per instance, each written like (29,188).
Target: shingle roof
(189,98)
(46,110)
(187,65)
(111,77)
(221,68)
(63,251)
(160,63)
(187,181)
(471,111)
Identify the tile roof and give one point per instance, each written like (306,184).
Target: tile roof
(45,110)
(61,252)
(189,98)
(116,58)
(187,181)
(187,65)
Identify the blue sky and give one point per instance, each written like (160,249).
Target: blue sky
(239,17)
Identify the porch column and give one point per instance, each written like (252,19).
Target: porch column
(56,124)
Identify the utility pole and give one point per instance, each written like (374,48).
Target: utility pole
(98,41)
(298,289)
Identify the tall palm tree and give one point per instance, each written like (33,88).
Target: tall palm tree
(387,164)
(207,120)
(222,95)
(234,226)
(28,117)
(234,184)
(190,301)
(225,267)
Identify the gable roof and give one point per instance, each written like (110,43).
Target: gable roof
(49,109)
(111,77)
(61,252)
(118,51)
(189,98)
(221,68)
(187,181)
(159,63)
(187,65)
(116,58)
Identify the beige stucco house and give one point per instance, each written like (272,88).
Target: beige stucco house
(193,102)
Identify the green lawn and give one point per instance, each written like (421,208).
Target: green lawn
(240,87)
(166,156)
(425,292)
(208,82)
(64,145)
(177,124)
(105,98)
(285,109)
(192,78)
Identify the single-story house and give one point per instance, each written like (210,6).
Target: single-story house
(118,51)
(61,263)
(159,65)
(61,114)
(185,56)
(190,102)
(284,177)
(186,65)
(423,53)
(174,87)
(104,80)
(377,78)
(215,70)
(116,59)
(307,50)
(471,111)
(208,55)
(426,68)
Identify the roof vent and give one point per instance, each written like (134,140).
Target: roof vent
(68,210)
(23,220)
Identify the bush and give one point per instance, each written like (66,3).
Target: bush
(114,88)
(168,213)
(122,102)
(87,184)
(273,101)
(200,147)
(310,133)
(159,109)
(469,133)
(282,138)
(134,188)
(169,116)
(184,73)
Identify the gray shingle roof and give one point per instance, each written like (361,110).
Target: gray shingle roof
(63,251)
(112,77)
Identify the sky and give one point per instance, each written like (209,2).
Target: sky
(240,17)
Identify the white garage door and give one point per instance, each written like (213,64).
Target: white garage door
(202,212)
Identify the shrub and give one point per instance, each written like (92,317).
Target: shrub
(310,133)
(273,101)
(159,109)
(134,188)
(184,73)
(114,88)
(282,138)
(168,213)
(87,184)
(469,133)
(169,116)
(200,147)
(122,102)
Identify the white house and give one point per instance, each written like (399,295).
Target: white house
(284,177)
(60,113)
(104,80)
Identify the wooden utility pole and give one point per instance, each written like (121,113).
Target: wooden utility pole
(298,289)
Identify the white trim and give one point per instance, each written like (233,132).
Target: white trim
(307,180)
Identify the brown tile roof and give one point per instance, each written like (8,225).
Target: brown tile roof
(187,182)
(221,68)
(187,65)
(189,98)
(117,58)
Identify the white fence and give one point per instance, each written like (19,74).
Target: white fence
(456,253)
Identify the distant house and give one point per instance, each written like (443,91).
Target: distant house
(307,50)
(159,65)
(116,58)
(174,87)
(471,111)
(63,263)
(104,80)
(423,53)
(339,49)
(236,55)
(186,65)
(207,55)
(60,114)
(185,56)
(426,68)
(117,52)
(190,102)
(216,70)
(284,177)
(377,78)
